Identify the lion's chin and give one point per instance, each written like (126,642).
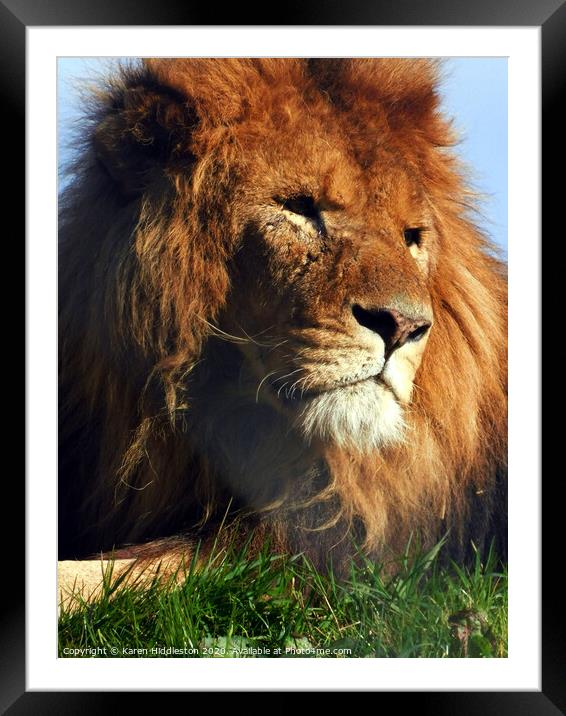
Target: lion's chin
(363,417)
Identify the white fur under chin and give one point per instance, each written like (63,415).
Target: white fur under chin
(364,416)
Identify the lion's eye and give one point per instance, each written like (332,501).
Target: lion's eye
(304,205)
(413,237)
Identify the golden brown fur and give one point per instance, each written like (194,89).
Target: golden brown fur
(175,304)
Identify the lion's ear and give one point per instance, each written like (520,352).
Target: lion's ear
(144,130)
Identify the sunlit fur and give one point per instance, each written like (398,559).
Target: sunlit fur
(362,417)
(184,285)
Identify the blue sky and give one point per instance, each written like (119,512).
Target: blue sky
(474,93)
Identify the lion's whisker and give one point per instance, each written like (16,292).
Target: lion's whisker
(288,375)
(273,372)
(281,388)
(278,345)
(219,333)
(307,383)
(251,339)
(262,331)
(294,387)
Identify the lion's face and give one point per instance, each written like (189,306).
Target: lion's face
(330,283)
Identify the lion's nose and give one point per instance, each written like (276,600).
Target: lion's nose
(394,327)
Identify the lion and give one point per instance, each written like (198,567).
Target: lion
(276,316)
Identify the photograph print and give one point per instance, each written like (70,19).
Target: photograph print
(282,357)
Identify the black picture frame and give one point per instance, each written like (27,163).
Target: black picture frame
(550,16)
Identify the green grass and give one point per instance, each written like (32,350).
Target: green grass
(272,606)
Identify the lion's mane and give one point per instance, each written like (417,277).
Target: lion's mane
(146,239)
